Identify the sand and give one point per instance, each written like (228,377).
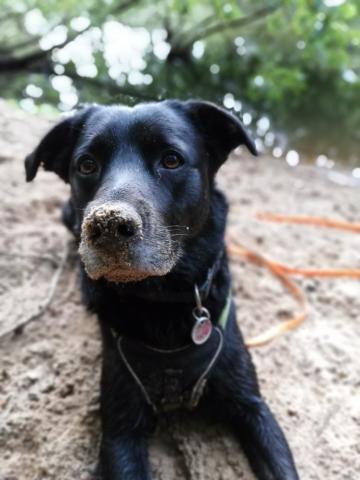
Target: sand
(49,370)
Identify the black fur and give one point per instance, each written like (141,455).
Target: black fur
(132,140)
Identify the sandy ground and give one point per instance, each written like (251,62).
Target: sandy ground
(49,371)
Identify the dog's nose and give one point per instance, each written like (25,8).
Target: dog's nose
(112,222)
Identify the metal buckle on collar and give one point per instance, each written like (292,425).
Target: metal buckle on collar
(172,399)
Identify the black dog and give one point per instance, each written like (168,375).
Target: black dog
(151,224)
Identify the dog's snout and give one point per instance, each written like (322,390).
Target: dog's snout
(112,222)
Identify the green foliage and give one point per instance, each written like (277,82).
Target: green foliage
(295,61)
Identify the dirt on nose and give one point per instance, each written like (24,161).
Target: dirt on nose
(111,220)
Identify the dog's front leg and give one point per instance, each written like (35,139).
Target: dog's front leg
(263,441)
(127,419)
(124,457)
(236,397)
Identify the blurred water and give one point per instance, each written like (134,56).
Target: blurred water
(127,63)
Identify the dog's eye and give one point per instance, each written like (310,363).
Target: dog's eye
(87,166)
(171,161)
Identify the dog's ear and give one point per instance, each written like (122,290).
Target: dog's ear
(223,131)
(55,149)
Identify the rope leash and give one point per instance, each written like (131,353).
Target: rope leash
(283,272)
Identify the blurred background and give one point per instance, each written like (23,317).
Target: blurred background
(289,68)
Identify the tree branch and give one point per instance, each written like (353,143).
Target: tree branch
(10,63)
(9,15)
(192,30)
(223,25)
(122,7)
(13,63)
(8,49)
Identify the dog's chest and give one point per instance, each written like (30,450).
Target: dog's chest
(171,379)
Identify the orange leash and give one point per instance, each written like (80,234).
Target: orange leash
(269,335)
(282,271)
(308,220)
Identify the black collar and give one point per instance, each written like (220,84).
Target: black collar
(204,288)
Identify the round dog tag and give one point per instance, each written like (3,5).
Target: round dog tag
(201,330)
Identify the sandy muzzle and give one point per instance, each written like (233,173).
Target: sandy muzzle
(149,253)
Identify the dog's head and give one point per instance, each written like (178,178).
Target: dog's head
(141,179)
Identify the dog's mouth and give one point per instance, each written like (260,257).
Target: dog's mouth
(120,267)
(131,256)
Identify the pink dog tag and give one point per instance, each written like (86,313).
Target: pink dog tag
(201,330)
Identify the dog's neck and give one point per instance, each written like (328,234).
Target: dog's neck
(140,309)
